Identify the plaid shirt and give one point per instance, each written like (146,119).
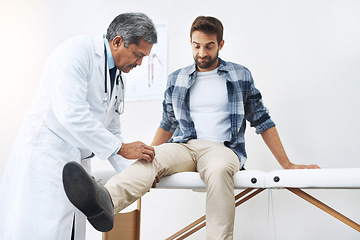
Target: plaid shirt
(244,104)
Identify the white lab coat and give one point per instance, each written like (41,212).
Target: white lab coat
(65,123)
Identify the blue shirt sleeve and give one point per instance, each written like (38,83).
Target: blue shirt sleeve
(255,111)
(168,121)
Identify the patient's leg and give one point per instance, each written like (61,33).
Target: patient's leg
(131,184)
(100,203)
(217,167)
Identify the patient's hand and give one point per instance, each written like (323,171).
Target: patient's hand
(156,180)
(302,166)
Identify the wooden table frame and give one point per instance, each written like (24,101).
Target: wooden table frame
(249,193)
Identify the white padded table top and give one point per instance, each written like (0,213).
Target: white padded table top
(300,178)
(192,180)
(314,178)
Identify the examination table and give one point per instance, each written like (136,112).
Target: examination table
(252,182)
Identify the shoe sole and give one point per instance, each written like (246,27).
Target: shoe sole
(80,190)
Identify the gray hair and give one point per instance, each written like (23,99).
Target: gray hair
(132,27)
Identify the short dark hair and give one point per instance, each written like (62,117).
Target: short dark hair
(132,27)
(208,25)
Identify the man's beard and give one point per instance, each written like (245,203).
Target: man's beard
(207,64)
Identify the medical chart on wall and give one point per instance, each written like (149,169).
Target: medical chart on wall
(148,81)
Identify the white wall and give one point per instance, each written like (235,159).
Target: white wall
(304,56)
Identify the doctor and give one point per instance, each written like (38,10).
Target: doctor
(74,116)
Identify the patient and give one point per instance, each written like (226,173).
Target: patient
(205,109)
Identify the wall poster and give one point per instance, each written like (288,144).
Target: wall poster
(148,81)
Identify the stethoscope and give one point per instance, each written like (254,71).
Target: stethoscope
(119,100)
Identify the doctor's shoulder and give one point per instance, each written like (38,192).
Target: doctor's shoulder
(74,50)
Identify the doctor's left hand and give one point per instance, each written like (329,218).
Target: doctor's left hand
(137,150)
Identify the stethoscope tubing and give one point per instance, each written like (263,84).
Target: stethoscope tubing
(117,85)
(105,68)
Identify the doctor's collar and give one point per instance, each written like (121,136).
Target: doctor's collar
(110,60)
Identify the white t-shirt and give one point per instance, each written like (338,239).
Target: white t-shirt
(209,107)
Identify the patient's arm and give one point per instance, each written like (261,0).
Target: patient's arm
(161,136)
(272,140)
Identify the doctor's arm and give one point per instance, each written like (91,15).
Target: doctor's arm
(272,140)
(133,150)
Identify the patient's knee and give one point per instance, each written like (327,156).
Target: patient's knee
(220,173)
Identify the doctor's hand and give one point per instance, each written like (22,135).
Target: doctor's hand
(137,150)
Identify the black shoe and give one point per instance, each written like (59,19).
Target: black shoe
(90,197)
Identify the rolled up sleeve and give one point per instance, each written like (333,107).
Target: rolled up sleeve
(168,121)
(255,111)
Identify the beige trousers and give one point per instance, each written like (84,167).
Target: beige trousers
(216,165)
